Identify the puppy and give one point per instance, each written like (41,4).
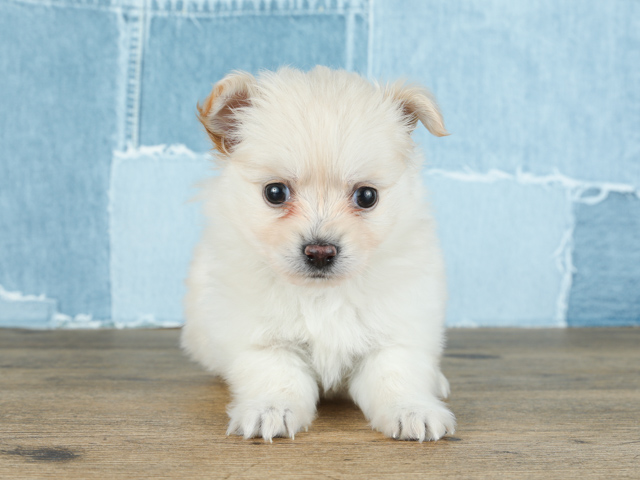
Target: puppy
(319,269)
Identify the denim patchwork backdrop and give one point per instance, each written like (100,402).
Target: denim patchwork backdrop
(536,193)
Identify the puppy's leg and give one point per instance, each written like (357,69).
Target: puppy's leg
(397,390)
(274,392)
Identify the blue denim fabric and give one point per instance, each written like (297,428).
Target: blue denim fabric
(540,85)
(500,240)
(154,227)
(606,286)
(536,193)
(58,101)
(31,311)
(194,53)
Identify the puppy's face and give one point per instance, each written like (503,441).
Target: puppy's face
(318,166)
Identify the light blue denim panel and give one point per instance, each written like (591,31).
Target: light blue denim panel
(154,228)
(606,282)
(58,88)
(185,54)
(501,244)
(17,310)
(538,85)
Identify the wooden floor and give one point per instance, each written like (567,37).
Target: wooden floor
(127,404)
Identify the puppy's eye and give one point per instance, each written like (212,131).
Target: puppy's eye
(276,193)
(365,197)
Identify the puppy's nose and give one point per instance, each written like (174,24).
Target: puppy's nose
(320,255)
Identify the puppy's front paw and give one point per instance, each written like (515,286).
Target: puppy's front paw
(268,419)
(427,421)
(443,386)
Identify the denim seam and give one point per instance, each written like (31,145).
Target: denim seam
(207,8)
(136,38)
(298,13)
(349,41)
(370,26)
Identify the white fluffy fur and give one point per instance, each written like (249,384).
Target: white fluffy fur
(373,329)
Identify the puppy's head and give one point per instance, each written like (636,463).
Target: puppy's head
(318,168)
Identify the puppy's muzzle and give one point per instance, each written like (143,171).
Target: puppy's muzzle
(320,256)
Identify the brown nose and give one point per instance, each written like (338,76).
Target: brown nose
(320,256)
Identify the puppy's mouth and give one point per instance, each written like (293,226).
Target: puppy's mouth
(318,275)
(302,274)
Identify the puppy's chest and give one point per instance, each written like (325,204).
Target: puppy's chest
(332,322)
(335,335)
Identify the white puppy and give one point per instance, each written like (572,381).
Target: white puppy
(319,268)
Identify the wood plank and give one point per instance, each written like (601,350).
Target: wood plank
(529,403)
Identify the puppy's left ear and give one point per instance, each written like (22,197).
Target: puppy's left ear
(417,103)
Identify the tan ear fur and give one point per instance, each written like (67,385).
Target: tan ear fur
(417,103)
(218,111)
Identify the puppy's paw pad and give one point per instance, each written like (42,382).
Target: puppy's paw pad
(266,421)
(420,422)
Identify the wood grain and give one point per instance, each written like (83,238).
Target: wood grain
(127,404)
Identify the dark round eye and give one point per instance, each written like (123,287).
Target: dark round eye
(365,197)
(276,193)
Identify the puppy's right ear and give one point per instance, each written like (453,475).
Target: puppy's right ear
(219,112)
(417,103)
